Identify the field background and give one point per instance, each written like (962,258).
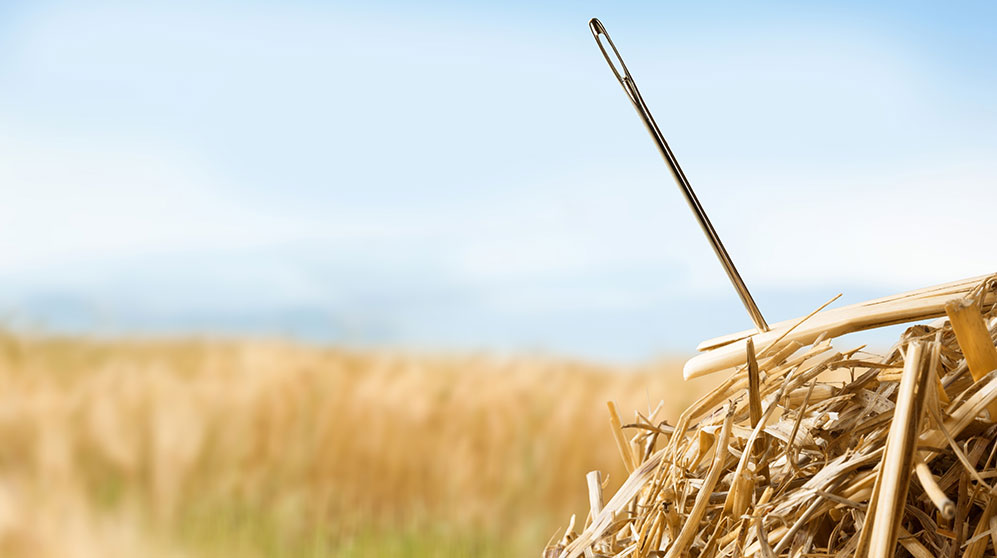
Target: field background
(266,448)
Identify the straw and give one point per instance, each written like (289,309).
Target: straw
(782,460)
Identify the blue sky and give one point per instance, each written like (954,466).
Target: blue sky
(455,175)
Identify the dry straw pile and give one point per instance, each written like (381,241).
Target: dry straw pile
(810,451)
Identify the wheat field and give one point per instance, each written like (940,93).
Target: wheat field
(268,448)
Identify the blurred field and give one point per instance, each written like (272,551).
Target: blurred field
(258,448)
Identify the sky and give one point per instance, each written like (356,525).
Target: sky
(469,176)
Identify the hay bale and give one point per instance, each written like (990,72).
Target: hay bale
(806,450)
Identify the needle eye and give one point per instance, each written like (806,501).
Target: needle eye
(615,61)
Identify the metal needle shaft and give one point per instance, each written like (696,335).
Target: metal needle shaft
(630,88)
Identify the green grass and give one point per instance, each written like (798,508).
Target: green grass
(247,532)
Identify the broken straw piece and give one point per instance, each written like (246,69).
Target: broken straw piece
(730,350)
(974,339)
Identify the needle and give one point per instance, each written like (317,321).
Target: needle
(630,88)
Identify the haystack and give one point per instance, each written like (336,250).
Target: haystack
(807,450)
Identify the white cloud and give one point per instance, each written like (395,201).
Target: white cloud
(86,199)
